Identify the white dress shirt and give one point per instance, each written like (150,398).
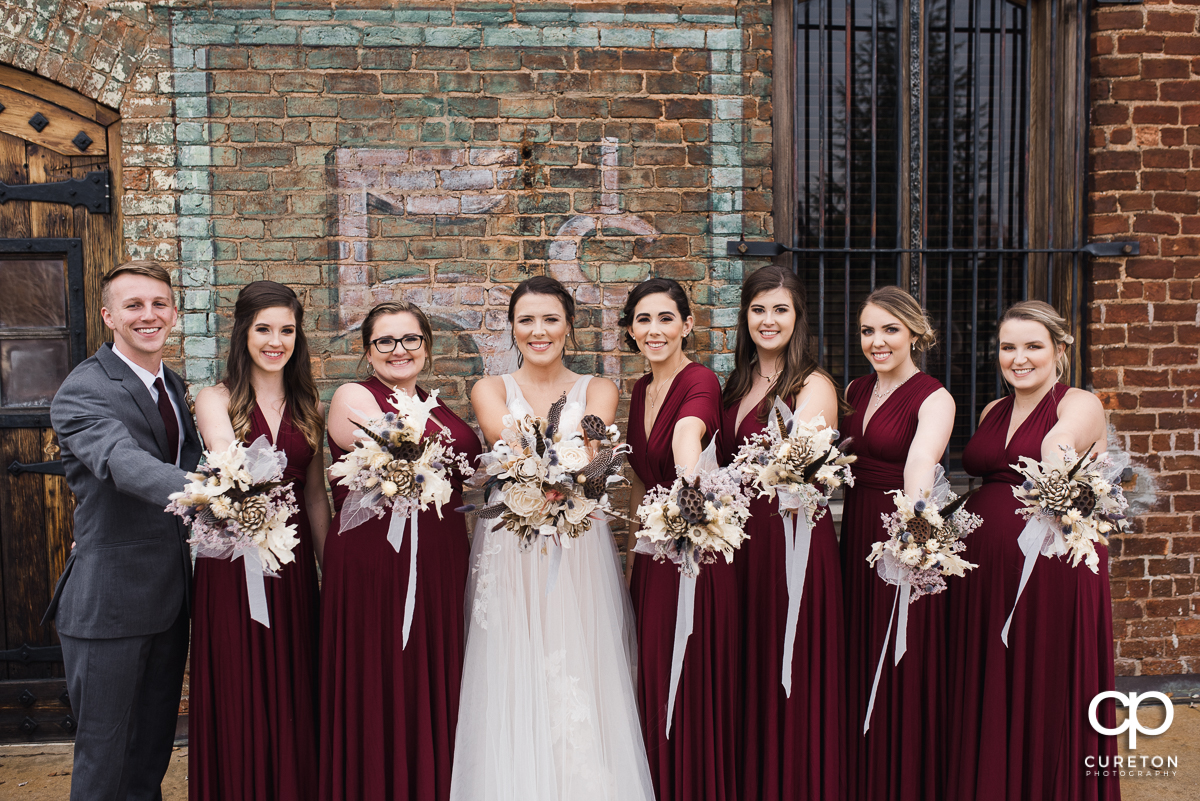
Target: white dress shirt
(148,379)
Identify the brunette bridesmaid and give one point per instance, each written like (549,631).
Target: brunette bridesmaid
(790,747)
(900,426)
(388,711)
(1019,714)
(674,411)
(252,726)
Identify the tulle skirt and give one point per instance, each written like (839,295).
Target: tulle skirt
(548,709)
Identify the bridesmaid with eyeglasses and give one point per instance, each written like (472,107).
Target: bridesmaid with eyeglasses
(389,710)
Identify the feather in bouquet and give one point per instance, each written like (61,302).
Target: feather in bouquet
(550,483)
(395,466)
(798,463)
(1071,502)
(238,506)
(700,516)
(924,542)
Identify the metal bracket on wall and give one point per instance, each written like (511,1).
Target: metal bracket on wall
(93,190)
(54,468)
(33,653)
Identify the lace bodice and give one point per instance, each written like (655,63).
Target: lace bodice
(572,413)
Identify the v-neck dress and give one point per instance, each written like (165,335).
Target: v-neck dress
(789,747)
(901,758)
(252,718)
(1018,715)
(388,712)
(698,761)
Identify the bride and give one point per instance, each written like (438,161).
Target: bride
(548,710)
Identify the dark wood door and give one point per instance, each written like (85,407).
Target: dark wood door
(52,255)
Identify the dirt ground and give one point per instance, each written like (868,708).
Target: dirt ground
(43,772)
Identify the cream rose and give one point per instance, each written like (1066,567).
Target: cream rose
(527,468)
(572,458)
(524,501)
(578,510)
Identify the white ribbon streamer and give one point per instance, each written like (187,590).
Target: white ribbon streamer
(902,624)
(396,538)
(556,553)
(1038,537)
(685,613)
(882,657)
(256,588)
(797,542)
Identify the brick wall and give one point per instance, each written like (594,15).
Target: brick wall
(1144,328)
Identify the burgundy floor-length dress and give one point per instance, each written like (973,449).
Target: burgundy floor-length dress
(789,747)
(388,712)
(901,758)
(1018,715)
(698,762)
(252,719)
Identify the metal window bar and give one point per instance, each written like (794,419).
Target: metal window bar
(973,180)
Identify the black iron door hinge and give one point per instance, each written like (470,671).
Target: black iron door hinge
(93,190)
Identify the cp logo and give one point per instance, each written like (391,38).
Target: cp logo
(1132,700)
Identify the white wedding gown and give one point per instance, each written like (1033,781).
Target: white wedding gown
(548,710)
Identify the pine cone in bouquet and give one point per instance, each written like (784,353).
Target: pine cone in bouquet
(252,514)
(691,503)
(401,474)
(1055,493)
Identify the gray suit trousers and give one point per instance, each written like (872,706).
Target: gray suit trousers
(125,695)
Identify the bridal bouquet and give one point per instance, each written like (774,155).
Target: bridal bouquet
(238,506)
(798,463)
(396,467)
(924,539)
(1077,497)
(1070,503)
(551,485)
(697,518)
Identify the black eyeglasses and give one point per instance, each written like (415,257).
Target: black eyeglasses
(409,341)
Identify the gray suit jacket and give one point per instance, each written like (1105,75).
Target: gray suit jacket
(130,571)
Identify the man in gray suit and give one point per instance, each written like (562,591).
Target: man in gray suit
(121,605)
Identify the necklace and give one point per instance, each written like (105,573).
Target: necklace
(880,397)
(770,378)
(658,395)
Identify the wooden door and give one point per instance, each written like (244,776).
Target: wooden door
(53,251)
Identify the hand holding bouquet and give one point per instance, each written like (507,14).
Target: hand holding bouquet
(1071,502)
(551,483)
(796,462)
(397,467)
(238,506)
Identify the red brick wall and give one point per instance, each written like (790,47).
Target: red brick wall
(1144,326)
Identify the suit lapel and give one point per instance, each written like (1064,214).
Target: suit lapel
(118,370)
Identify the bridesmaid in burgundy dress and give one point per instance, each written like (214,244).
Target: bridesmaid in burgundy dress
(675,409)
(900,426)
(252,720)
(790,747)
(388,711)
(1019,714)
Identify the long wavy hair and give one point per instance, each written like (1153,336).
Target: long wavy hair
(299,389)
(799,358)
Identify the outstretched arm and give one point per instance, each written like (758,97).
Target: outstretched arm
(87,429)
(935,423)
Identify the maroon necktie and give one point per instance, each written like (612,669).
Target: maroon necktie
(168,417)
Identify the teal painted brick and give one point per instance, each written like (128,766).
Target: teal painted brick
(304,14)
(512,37)
(727,176)
(339,35)
(193,181)
(725,84)
(722,270)
(571,37)
(679,38)
(191,107)
(726,224)
(268,34)
(722,363)
(604,17)
(191,132)
(366,15)
(651,18)
(625,37)
(206,156)
(724,318)
(195,227)
(453,37)
(483,13)
(190,83)
(238,14)
(183,58)
(710,19)
(392,37)
(195,204)
(724,39)
(544,17)
(203,34)
(425,16)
